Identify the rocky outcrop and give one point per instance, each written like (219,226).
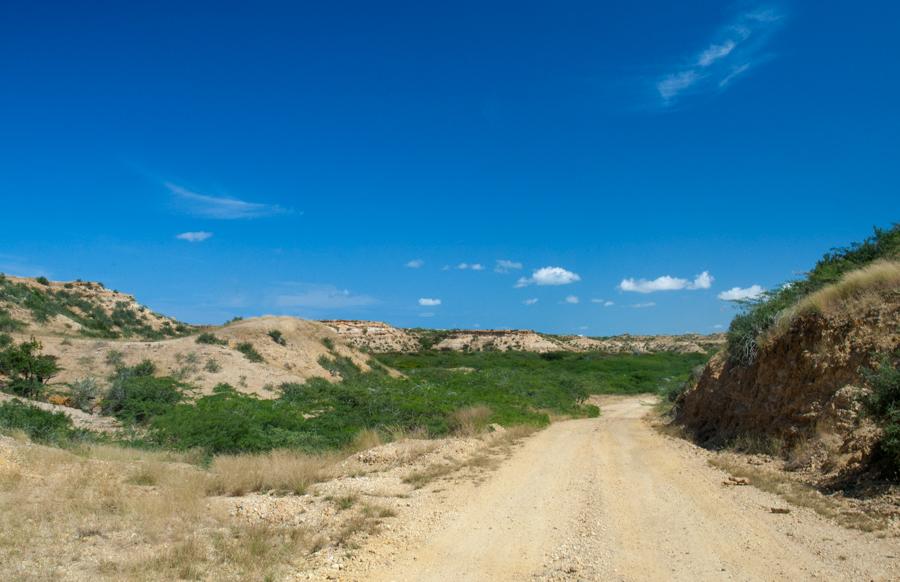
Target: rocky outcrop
(647,344)
(373,336)
(378,337)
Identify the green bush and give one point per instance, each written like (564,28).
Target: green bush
(249,352)
(137,396)
(40,425)
(759,315)
(277,337)
(229,422)
(8,322)
(26,368)
(43,281)
(884,405)
(208,338)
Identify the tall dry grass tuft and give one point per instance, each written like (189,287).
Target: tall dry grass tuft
(282,471)
(854,292)
(471,420)
(366,439)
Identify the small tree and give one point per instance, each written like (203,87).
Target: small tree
(27,369)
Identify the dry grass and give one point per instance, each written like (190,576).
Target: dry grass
(277,471)
(366,439)
(471,420)
(800,494)
(854,293)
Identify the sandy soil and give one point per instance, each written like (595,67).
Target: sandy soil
(612,499)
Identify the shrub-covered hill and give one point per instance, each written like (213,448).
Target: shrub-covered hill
(810,368)
(86,309)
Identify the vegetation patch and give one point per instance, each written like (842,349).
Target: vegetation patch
(40,425)
(211,339)
(26,369)
(249,352)
(277,337)
(883,404)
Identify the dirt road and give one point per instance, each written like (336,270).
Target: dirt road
(611,499)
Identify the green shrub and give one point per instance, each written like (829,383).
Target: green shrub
(26,368)
(43,281)
(208,338)
(249,352)
(137,396)
(328,343)
(277,337)
(40,425)
(884,405)
(228,422)
(340,366)
(8,322)
(212,366)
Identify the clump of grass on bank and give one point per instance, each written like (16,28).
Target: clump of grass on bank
(249,352)
(759,316)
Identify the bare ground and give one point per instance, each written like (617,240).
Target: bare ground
(613,499)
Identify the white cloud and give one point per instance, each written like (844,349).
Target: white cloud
(471,266)
(715,52)
(505,266)
(603,302)
(428,302)
(549,276)
(741,294)
(608,303)
(736,47)
(531,301)
(702,281)
(313,296)
(718,326)
(643,305)
(477,267)
(198,236)
(666,283)
(222,208)
(673,84)
(415,264)
(572,299)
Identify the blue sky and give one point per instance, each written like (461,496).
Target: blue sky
(598,167)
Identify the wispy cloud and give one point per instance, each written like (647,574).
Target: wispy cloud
(531,301)
(470,266)
(572,300)
(429,302)
(218,207)
(643,305)
(314,296)
(415,264)
(505,266)
(735,48)
(549,276)
(742,293)
(602,302)
(666,283)
(197,236)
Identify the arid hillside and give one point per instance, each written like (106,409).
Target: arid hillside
(92,330)
(377,337)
